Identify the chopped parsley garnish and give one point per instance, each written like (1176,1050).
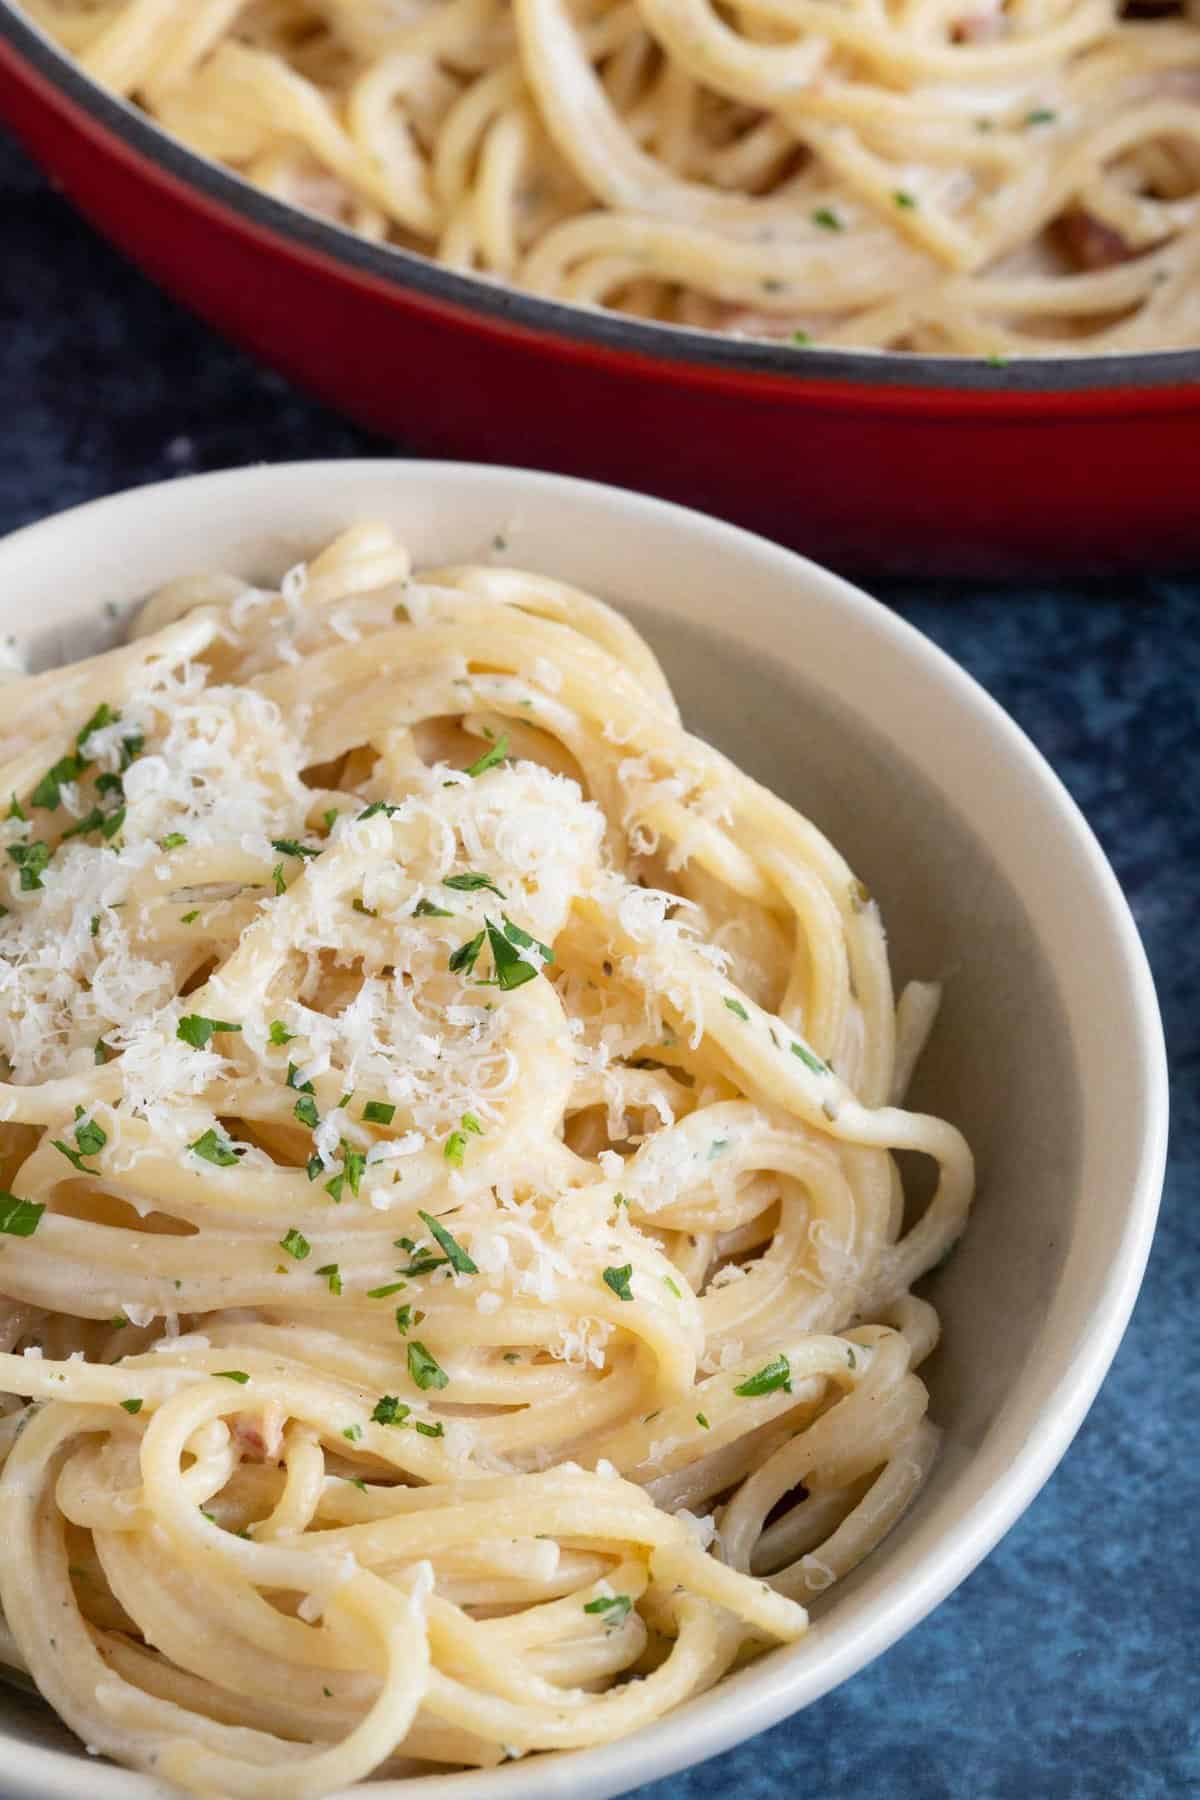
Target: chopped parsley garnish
(827,219)
(305,1110)
(301,1087)
(428,1430)
(73,1156)
(423,1263)
(618,1281)
(356,1162)
(905,200)
(1041,115)
(19,1218)
(614,1608)
(279,1034)
(425,1369)
(335,1187)
(110,826)
(808,1059)
(238,1375)
(313,1167)
(404,1318)
(91,821)
(461,961)
(196,1030)
(378,1112)
(390,1410)
(353,1432)
(472,883)
(100,1052)
(360,906)
(15,809)
(290,847)
(512,970)
(389,1288)
(776,1375)
(189,918)
(491,758)
(803,338)
(31,859)
(376,807)
(358,1482)
(295,1243)
(454,1148)
(132,1406)
(673,1287)
(736,1007)
(214,1148)
(456,1256)
(471,1123)
(90,1137)
(425,909)
(702,1422)
(277,878)
(330,817)
(94,925)
(47,793)
(174,840)
(333,1275)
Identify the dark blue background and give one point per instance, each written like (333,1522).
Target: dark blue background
(1066,1668)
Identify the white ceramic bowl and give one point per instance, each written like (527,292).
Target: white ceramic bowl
(1048,1053)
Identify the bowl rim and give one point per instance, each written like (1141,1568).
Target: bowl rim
(571,326)
(1033,1446)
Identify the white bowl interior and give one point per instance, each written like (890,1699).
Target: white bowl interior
(1048,1052)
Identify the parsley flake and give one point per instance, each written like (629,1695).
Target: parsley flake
(808,1059)
(332,1274)
(19,1218)
(491,758)
(390,1410)
(472,884)
(279,1034)
(425,1369)
(378,1112)
(31,860)
(132,1406)
(736,1007)
(614,1608)
(776,1375)
(456,1256)
(238,1375)
(618,1281)
(214,1148)
(196,1030)
(461,961)
(295,1243)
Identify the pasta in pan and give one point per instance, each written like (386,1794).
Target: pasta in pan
(974,177)
(457,1288)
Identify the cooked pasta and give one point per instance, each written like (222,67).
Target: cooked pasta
(457,1287)
(967,177)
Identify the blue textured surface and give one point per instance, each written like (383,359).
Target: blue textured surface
(1066,1668)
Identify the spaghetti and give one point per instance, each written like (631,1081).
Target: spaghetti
(969,177)
(457,1287)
